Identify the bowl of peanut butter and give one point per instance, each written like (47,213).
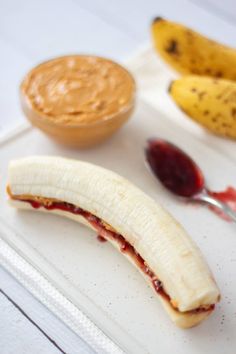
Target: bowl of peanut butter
(78,100)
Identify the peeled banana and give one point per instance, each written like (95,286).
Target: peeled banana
(189,52)
(210,102)
(129,219)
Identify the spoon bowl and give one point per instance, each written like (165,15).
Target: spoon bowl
(179,174)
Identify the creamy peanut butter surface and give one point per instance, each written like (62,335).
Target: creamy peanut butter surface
(78,89)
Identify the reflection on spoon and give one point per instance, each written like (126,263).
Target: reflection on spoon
(181,175)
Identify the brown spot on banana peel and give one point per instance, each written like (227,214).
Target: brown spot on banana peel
(189,36)
(218,74)
(195,71)
(172,47)
(216,117)
(225,125)
(201,95)
(233,112)
(170,86)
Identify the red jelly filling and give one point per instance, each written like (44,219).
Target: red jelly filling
(101,238)
(105,234)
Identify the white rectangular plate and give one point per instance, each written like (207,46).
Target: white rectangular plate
(98,279)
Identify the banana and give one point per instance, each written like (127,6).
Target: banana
(189,52)
(121,213)
(210,102)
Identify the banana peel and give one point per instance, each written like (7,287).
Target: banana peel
(208,101)
(189,52)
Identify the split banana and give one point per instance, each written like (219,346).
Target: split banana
(121,213)
(189,52)
(210,102)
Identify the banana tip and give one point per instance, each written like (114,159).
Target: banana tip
(157,19)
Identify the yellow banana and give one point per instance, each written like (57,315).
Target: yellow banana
(188,52)
(210,102)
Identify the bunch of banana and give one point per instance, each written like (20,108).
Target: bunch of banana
(210,98)
(134,223)
(210,102)
(191,53)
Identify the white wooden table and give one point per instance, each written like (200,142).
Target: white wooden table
(31,31)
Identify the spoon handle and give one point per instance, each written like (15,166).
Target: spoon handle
(204,197)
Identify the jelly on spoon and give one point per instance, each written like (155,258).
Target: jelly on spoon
(180,174)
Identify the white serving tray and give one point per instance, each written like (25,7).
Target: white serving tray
(72,271)
(95,277)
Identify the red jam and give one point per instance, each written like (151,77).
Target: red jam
(101,238)
(179,173)
(105,234)
(228,197)
(175,170)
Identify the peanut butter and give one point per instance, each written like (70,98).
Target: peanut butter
(75,90)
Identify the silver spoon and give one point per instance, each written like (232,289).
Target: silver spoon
(180,174)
